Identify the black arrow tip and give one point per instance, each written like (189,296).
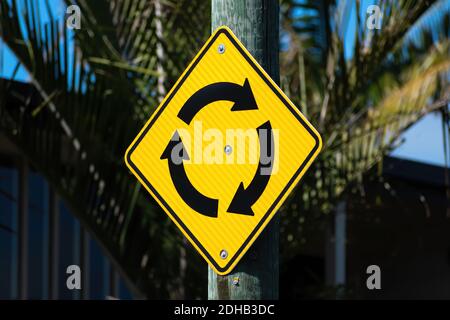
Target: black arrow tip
(246,99)
(265,126)
(240,203)
(180,154)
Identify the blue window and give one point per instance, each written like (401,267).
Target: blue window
(8,231)
(73,245)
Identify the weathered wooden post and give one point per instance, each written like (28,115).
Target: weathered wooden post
(256,24)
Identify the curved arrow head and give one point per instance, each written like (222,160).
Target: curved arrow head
(175,150)
(241,203)
(245,100)
(244,198)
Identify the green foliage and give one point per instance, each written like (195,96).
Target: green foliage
(92,98)
(363,103)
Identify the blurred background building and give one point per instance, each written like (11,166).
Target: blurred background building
(40,238)
(401,224)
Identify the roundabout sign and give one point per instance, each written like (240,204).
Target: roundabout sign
(223,151)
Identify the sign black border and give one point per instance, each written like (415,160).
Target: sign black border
(167,101)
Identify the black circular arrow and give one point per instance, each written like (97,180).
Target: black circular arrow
(242,96)
(175,153)
(244,198)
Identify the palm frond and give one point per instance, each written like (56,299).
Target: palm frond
(75,125)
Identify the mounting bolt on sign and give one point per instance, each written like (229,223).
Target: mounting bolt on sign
(221,48)
(223,151)
(223,254)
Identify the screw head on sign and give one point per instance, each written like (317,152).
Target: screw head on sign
(221,48)
(223,254)
(228,149)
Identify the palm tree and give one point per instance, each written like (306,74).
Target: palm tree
(95,87)
(361,99)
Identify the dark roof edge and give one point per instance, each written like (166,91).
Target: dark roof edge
(414,171)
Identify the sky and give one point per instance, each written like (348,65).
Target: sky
(423,142)
(8,61)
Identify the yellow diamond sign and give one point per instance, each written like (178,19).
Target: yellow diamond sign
(223,151)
